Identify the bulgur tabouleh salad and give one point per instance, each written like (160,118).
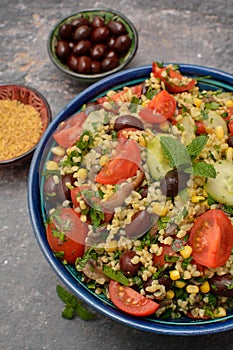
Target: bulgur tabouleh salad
(138,195)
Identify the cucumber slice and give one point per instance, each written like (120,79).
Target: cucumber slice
(189,130)
(157,162)
(221,187)
(214,120)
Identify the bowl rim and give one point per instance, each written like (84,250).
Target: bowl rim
(93,77)
(26,154)
(194,328)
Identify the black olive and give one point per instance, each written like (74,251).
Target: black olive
(128,121)
(72,63)
(117,28)
(82,48)
(81,33)
(111,42)
(111,54)
(80,21)
(98,51)
(84,64)
(173,182)
(109,63)
(97,22)
(100,34)
(230,141)
(96,67)
(221,285)
(65,31)
(126,265)
(122,44)
(62,49)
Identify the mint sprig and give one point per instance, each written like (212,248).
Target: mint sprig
(73,306)
(184,157)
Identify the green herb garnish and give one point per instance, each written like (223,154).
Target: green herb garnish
(73,306)
(115,275)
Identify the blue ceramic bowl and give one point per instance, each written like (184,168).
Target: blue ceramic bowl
(211,79)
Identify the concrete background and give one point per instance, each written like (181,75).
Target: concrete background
(198,32)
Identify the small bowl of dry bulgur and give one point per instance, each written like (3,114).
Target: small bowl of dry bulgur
(24,116)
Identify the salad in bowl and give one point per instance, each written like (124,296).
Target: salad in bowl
(137,197)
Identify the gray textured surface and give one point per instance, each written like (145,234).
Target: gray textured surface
(198,32)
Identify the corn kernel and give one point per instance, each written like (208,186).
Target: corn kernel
(180,284)
(145,103)
(51,165)
(197,102)
(229,103)
(164,126)
(186,251)
(196,199)
(205,288)
(82,174)
(58,151)
(83,218)
(219,131)
(159,209)
(103,160)
(192,289)
(142,141)
(220,312)
(111,246)
(174,275)
(170,294)
(229,154)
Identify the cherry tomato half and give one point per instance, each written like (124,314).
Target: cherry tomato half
(118,96)
(70,130)
(170,86)
(160,108)
(130,301)
(124,165)
(212,238)
(66,234)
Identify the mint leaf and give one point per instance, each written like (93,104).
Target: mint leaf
(197,145)
(68,312)
(175,151)
(83,313)
(73,306)
(115,275)
(204,169)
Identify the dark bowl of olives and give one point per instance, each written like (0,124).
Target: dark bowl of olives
(92,44)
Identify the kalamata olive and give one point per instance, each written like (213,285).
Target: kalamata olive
(80,21)
(97,22)
(109,63)
(82,48)
(84,64)
(144,191)
(173,182)
(65,31)
(165,281)
(111,42)
(81,33)
(122,44)
(71,45)
(140,224)
(72,63)
(98,51)
(95,67)
(222,285)
(126,265)
(111,54)
(100,34)
(230,141)
(128,121)
(117,28)
(62,49)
